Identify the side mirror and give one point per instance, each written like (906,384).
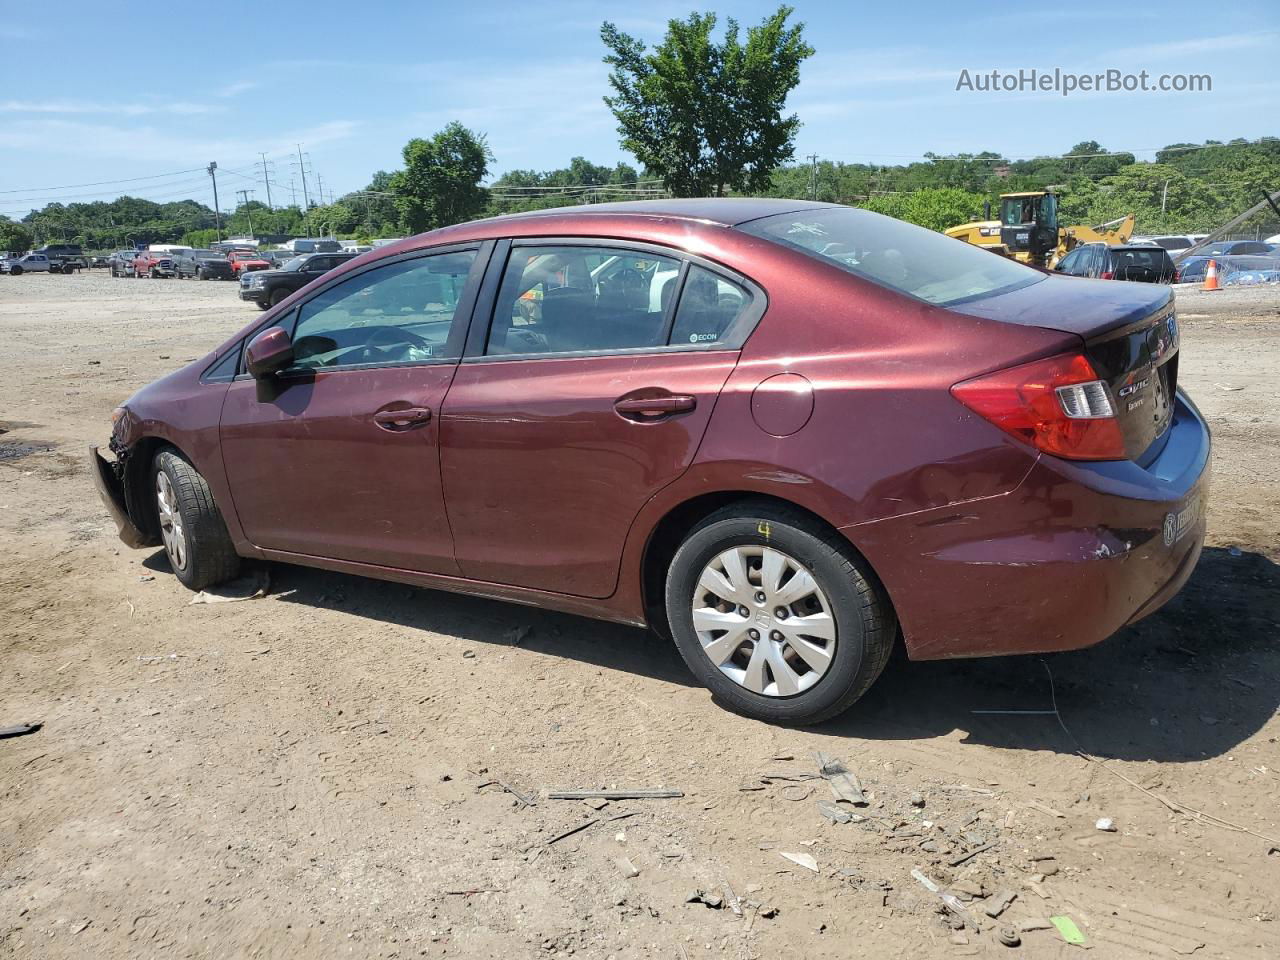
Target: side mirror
(268,353)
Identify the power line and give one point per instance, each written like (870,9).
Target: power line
(73,186)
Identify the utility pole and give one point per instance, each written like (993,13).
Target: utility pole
(320,188)
(1164,197)
(266,180)
(813,177)
(306,200)
(244,198)
(217,216)
(293,191)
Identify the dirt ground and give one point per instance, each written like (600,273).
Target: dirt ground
(315,773)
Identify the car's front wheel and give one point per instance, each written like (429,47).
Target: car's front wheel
(776,615)
(195,537)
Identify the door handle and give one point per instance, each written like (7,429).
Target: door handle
(404,419)
(643,409)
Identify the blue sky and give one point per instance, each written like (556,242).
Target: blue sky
(110,92)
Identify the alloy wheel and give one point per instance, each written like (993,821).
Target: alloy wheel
(172,530)
(763,621)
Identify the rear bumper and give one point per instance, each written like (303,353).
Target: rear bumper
(111,489)
(1073,554)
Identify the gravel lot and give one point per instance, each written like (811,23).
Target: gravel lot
(316,773)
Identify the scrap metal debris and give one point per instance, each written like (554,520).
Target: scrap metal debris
(950,900)
(246,588)
(19,730)
(801,859)
(615,794)
(844,785)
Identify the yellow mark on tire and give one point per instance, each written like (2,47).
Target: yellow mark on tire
(764,529)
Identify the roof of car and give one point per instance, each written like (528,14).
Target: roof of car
(726,211)
(1135,246)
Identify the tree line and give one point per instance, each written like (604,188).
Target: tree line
(705,117)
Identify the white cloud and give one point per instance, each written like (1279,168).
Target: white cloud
(178,108)
(237,88)
(105,142)
(1187,48)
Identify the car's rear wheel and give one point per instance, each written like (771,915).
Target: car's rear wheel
(191,527)
(776,615)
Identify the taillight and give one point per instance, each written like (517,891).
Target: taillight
(1058,405)
(1108,275)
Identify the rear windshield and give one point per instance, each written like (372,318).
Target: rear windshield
(910,259)
(1155,258)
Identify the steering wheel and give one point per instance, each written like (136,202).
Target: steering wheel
(385,337)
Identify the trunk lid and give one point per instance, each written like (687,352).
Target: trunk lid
(1130,337)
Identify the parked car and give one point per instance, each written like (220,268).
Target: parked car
(203,265)
(244,261)
(266,288)
(837,428)
(150,263)
(31,263)
(100,260)
(1192,270)
(1228,248)
(1136,262)
(64,257)
(121,263)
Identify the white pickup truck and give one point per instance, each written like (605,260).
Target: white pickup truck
(31,263)
(40,262)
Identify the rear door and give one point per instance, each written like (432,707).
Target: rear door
(589,391)
(339,457)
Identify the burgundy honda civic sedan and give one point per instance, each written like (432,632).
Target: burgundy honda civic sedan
(785,434)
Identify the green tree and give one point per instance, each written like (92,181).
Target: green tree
(707,116)
(440,182)
(14,237)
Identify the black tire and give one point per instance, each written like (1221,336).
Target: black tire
(262,306)
(864,619)
(68,270)
(210,556)
(278,297)
(15,271)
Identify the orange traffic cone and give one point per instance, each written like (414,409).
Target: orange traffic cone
(1211,276)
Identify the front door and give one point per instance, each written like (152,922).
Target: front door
(590,394)
(339,457)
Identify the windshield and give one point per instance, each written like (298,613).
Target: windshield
(1128,257)
(295,264)
(912,260)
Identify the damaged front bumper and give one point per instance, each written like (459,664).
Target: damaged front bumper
(110,484)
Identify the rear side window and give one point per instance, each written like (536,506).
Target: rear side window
(568,299)
(709,307)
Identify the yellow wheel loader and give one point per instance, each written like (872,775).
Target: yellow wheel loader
(1028,230)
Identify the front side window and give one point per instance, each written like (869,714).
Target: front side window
(558,299)
(400,313)
(909,259)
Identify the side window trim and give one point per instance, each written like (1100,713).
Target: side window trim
(483,314)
